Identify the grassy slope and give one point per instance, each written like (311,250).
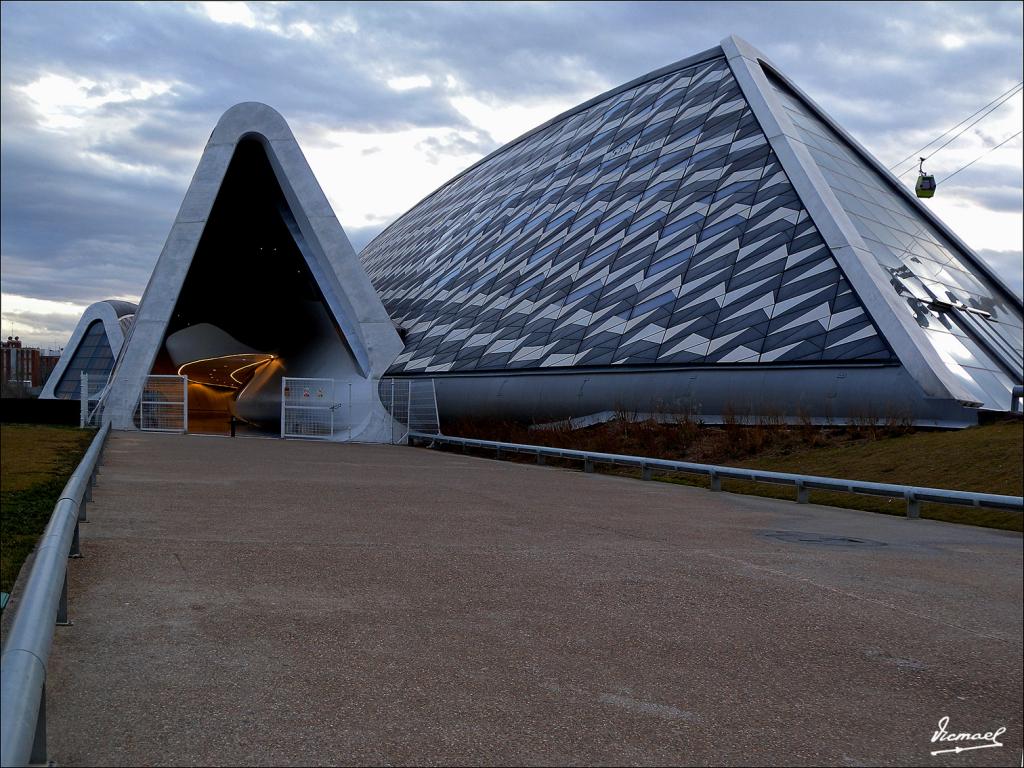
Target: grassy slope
(987,458)
(35,463)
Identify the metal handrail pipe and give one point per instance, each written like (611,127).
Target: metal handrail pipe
(24,678)
(75,487)
(909,492)
(27,646)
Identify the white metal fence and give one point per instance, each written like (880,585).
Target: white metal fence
(412,404)
(394,395)
(91,393)
(354,402)
(327,409)
(308,407)
(163,406)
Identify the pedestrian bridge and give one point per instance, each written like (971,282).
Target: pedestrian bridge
(286,602)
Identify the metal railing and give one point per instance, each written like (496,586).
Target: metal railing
(92,393)
(412,404)
(41,605)
(914,495)
(163,403)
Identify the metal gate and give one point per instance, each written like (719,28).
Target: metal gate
(163,406)
(308,407)
(350,406)
(412,404)
(326,409)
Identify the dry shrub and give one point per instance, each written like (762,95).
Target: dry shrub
(684,436)
(811,435)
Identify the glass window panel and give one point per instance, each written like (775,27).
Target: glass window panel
(92,355)
(884,254)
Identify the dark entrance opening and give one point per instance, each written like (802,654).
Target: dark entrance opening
(250,309)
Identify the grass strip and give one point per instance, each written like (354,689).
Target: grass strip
(35,464)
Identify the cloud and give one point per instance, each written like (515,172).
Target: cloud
(37,320)
(229,13)
(1009,265)
(455,144)
(409,82)
(372,177)
(505,122)
(106,107)
(1005,199)
(360,236)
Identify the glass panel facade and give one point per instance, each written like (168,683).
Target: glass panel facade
(91,356)
(974,327)
(656,226)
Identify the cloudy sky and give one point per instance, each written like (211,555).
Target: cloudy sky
(106,108)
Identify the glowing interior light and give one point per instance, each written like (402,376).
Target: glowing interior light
(202,369)
(250,365)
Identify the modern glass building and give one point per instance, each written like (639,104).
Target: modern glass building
(702,240)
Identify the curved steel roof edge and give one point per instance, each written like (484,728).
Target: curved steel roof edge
(121,307)
(711,53)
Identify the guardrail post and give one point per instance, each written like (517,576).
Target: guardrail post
(62,606)
(645,472)
(497,452)
(76,550)
(38,756)
(913,506)
(802,494)
(540,458)
(716,482)
(588,465)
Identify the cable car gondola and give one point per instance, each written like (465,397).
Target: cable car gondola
(925,182)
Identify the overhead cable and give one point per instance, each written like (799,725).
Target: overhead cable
(1001,99)
(990,149)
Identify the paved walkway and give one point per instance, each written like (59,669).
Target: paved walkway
(269,602)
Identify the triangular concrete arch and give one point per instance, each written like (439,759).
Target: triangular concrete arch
(346,288)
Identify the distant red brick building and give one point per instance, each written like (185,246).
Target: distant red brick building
(48,360)
(24,365)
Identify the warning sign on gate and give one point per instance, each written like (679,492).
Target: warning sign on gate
(307,412)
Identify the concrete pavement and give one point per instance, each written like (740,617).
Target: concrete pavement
(276,602)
